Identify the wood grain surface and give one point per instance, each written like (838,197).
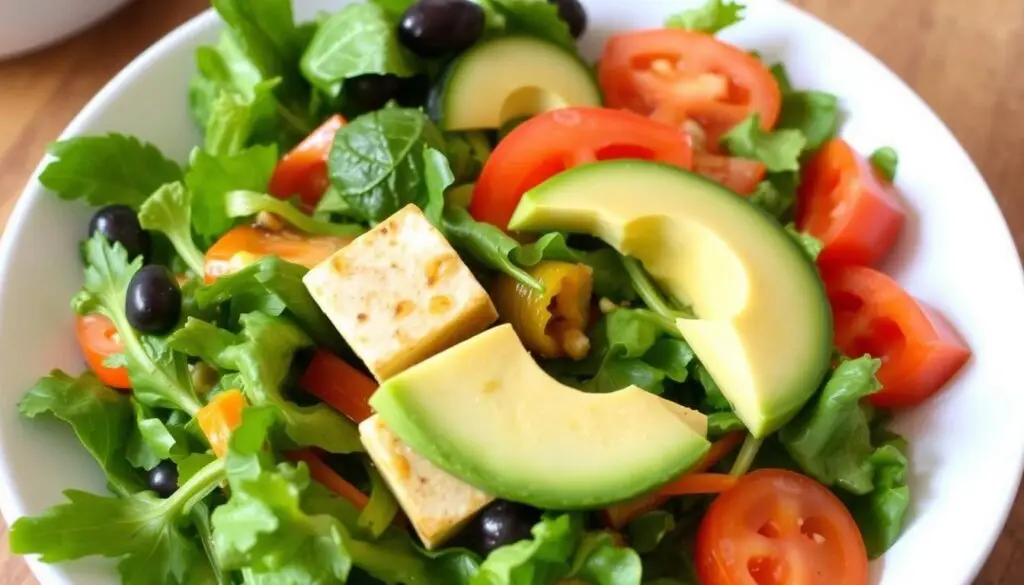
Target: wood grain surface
(962,57)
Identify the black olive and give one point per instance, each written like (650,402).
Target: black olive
(572,12)
(372,91)
(413,91)
(153,304)
(501,523)
(432,28)
(163,479)
(120,224)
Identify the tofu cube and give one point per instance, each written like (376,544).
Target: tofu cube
(399,294)
(437,504)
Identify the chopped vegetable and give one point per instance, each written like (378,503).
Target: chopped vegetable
(322,473)
(340,385)
(220,418)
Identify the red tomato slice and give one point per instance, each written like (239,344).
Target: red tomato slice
(739,174)
(843,203)
(334,381)
(550,143)
(99,340)
(778,527)
(674,75)
(303,171)
(919,351)
(244,245)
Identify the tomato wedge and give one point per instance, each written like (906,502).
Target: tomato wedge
(843,203)
(777,527)
(550,143)
(675,75)
(303,171)
(739,174)
(244,245)
(99,340)
(872,314)
(339,385)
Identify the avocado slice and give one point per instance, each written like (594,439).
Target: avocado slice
(485,412)
(763,327)
(511,77)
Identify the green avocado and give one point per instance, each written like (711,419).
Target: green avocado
(763,326)
(508,78)
(485,412)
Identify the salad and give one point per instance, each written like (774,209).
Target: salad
(438,302)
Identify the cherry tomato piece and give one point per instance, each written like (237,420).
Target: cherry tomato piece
(303,171)
(872,314)
(99,340)
(739,174)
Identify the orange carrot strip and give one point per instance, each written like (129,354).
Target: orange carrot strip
(339,385)
(699,483)
(323,474)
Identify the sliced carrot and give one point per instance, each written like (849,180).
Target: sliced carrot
(699,483)
(340,385)
(719,449)
(303,171)
(322,473)
(220,418)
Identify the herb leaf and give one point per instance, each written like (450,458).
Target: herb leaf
(105,170)
(711,17)
(211,177)
(169,211)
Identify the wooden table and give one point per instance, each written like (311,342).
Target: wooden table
(962,57)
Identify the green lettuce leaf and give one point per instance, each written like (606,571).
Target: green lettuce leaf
(814,113)
(885,160)
(538,18)
(272,286)
(377,163)
(378,514)
(357,40)
(486,244)
(101,418)
(211,177)
(779,150)
(249,203)
(811,245)
(153,440)
(646,531)
(882,513)
(236,118)
(262,354)
(266,33)
(711,17)
(169,211)
(159,376)
(610,277)
(776,195)
(144,531)
(105,170)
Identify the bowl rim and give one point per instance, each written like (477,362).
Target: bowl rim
(12,508)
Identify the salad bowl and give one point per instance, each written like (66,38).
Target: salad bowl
(954,253)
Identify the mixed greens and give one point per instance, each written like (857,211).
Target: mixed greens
(179,514)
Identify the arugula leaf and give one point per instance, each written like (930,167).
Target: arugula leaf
(377,161)
(159,376)
(885,160)
(248,203)
(438,178)
(105,170)
(814,113)
(811,245)
(262,354)
(485,243)
(779,150)
(142,529)
(357,40)
(647,530)
(830,438)
(211,177)
(100,417)
(711,17)
(538,18)
(169,211)
(272,286)
(776,195)
(153,441)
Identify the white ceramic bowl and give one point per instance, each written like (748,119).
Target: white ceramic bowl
(954,253)
(26,25)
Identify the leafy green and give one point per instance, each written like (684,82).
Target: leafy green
(647,530)
(169,211)
(378,160)
(485,243)
(467,152)
(248,203)
(814,113)
(610,277)
(262,354)
(882,513)
(142,529)
(776,195)
(830,438)
(265,31)
(105,170)
(811,245)
(100,417)
(211,178)
(272,286)
(152,440)
(357,40)
(714,399)
(711,17)
(721,423)
(599,560)
(378,514)
(778,151)
(648,291)
(159,376)
(438,177)
(885,160)
(537,18)
(236,117)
